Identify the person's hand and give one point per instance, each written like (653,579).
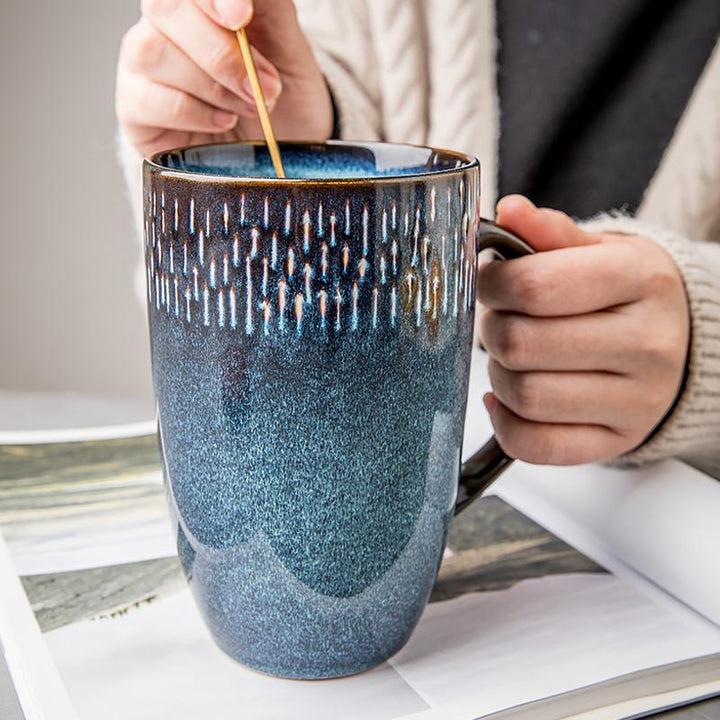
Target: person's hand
(181,78)
(587,339)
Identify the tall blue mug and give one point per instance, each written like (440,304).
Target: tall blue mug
(311,342)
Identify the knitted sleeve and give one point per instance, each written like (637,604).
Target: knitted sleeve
(693,425)
(341,36)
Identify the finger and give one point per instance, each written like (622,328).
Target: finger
(147,103)
(576,397)
(231,14)
(151,140)
(571,281)
(212,48)
(603,342)
(544,228)
(553,444)
(147,52)
(271,25)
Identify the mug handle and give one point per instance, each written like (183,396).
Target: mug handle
(490,461)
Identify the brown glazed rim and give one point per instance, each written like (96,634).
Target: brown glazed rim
(468,162)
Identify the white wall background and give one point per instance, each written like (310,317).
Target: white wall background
(69,318)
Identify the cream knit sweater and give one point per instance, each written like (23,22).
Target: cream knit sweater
(423,71)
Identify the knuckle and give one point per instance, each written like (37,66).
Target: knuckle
(662,346)
(219,95)
(511,343)
(546,448)
(532,446)
(662,281)
(144,48)
(223,61)
(531,286)
(525,396)
(178,109)
(155,8)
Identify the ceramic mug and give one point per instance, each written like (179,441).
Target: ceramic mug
(311,341)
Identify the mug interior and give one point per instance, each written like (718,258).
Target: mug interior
(334,160)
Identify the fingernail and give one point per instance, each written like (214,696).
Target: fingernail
(270,85)
(513,199)
(233,13)
(222,119)
(489,401)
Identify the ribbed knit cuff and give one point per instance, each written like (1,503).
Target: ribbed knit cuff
(693,425)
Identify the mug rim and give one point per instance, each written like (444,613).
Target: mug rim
(467,162)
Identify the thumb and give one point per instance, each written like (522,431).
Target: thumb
(272,27)
(231,14)
(543,228)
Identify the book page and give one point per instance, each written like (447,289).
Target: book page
(485,652)
(661,520)
(477,653)
(516,614)
(39,693)
(158,661)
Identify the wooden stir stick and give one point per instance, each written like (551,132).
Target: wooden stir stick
(260,103)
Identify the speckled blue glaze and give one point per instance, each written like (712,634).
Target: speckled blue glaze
(311,346)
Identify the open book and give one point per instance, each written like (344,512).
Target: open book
(578,592)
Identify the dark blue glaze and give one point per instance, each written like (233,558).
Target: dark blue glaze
(311,346)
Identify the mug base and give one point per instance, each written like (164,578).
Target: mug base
(341,675)
(327,673)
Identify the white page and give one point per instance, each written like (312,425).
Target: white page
(542,637)
(159,661)
(37,684)
(661,520)
(494,649)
